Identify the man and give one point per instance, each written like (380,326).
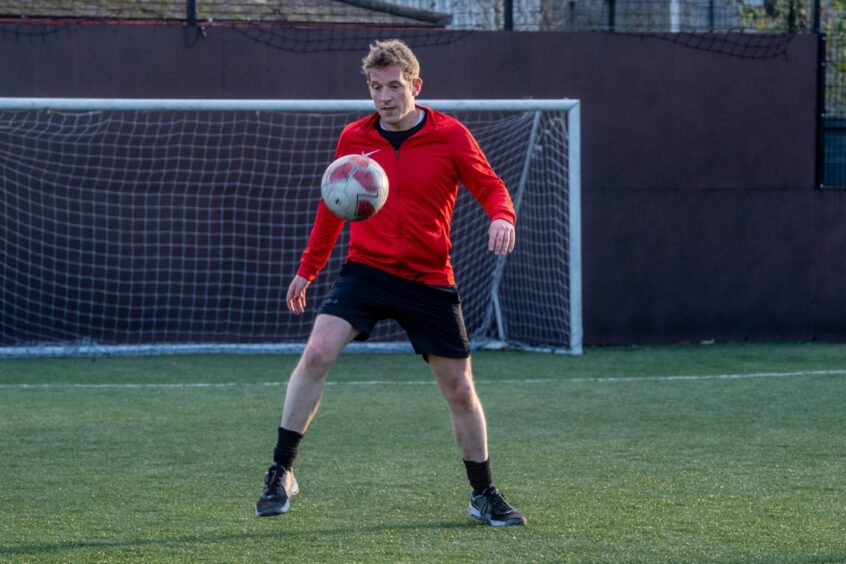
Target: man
(398,267)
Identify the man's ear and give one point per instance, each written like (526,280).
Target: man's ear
(416,86)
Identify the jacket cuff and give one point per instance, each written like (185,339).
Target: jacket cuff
(509,217)
(307,273)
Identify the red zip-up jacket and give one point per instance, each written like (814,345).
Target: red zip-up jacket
(410,236)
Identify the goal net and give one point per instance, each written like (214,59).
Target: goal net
(167,226)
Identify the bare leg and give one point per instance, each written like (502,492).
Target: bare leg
(455,380)
(328,338)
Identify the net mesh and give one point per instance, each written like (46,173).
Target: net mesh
(139,228)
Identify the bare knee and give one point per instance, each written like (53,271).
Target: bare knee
(328,338)
(461,395)
(317,358)
(456,383)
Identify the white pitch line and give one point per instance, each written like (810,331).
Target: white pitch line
(528,381)
(752,375)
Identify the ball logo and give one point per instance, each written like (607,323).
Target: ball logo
(354,187)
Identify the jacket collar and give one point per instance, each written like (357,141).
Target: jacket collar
(431,119)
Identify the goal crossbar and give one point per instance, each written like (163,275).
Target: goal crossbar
(225,105)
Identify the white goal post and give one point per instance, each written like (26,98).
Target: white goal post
(155,226)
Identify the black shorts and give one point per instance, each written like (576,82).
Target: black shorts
(430,315)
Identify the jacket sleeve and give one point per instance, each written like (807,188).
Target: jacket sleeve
(324,234)
(322,239)
(476,173)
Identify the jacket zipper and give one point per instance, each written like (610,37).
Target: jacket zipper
(401,238)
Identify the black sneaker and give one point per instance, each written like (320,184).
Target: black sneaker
(490,506)
(279,486)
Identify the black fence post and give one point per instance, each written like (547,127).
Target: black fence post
(820,179)
(191,13)
(711,16)
(612,7)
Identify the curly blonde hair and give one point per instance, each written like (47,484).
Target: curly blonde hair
(391,52)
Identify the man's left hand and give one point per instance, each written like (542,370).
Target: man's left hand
(501,237)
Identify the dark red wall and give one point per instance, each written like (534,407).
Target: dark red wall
(700,215)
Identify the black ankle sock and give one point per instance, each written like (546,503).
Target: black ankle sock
(286,448)
(479,474)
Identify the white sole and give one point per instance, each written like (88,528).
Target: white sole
(284,509)
(475,514)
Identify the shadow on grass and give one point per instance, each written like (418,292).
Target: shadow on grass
(60,547)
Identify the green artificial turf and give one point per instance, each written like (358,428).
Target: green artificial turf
(722,453)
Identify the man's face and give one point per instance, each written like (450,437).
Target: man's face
(393,95)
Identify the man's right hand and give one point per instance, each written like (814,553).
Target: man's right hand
(297,295)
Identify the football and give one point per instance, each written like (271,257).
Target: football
(354,187)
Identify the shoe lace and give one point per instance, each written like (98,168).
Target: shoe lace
(497,502)
(273,480)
